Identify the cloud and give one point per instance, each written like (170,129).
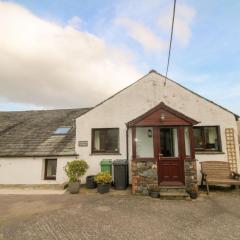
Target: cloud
(143,35)
(149,23)
(46,64)
(75,22)
(183,19)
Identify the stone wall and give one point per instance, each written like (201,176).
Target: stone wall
(144,177)
(190,169)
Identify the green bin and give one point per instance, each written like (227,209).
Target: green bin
(106,165)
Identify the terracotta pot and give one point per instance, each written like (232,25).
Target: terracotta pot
(74,187)
(103,187)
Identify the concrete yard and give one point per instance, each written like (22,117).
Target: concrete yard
(119,215)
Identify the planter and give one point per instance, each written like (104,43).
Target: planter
(103,188)
(74,187)
(90,183)
(155,194)
(193,195)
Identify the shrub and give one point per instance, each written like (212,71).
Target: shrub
(75,169)
(103,178)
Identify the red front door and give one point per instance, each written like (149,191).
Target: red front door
(171,151)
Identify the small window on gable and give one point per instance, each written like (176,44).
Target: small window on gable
(62,130)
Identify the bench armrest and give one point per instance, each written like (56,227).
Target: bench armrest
(235,175)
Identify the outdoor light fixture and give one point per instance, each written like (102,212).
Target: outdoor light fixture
(162,116)
(150,133)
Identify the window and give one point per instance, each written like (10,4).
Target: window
(187,142)
(105,140)
(207,138)
(50,169)
(62,130)
(169,142)
(144,142)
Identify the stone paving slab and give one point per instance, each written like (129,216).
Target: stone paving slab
(118,216)
(31,192)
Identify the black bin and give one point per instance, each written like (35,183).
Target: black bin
(120,168)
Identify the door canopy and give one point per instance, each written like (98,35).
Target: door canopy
(162,115)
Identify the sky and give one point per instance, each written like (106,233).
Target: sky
(76,53)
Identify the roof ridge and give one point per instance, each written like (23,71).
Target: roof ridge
(46,110)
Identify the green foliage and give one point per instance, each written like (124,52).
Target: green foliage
(75,169)
(103,177)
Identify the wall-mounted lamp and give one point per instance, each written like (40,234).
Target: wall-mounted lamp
(150,133)
(162,117)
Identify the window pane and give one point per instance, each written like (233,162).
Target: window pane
(111,143)
(51,167)
(62,130)
(105,140)
(211,138)
(187,141)
(206,138)
(144,142)
(169,142)
(198,141)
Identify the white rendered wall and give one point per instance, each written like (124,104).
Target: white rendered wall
(138,99)
(29,170)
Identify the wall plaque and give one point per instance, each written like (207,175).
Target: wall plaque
(82,143)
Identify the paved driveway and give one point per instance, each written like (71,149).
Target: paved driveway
(111,216)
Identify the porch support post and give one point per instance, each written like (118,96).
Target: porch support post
(135,178)
(190,168)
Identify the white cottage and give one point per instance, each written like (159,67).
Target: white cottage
(163,130)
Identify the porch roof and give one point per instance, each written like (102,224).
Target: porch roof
(153,117)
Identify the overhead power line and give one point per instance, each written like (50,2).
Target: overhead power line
(170,44)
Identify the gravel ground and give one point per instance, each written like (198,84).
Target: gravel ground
(119,216)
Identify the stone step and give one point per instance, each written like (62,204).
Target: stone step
(174,195)
(172,189)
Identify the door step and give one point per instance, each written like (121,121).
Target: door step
(174,196)
(173,193)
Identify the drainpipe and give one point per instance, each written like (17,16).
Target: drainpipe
(127,151)
(127,143)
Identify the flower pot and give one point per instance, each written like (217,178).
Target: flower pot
(155,194)
(193,195)
(103,188)
(74,187)
(90,183)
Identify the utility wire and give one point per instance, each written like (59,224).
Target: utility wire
(170,44)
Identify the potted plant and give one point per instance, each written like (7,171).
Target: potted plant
(154,192)
(74,170)
(103,179)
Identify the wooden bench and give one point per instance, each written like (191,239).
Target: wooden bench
(218,173)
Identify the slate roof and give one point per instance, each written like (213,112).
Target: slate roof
(30,133)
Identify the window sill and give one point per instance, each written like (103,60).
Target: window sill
(92,154)
(208,152)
